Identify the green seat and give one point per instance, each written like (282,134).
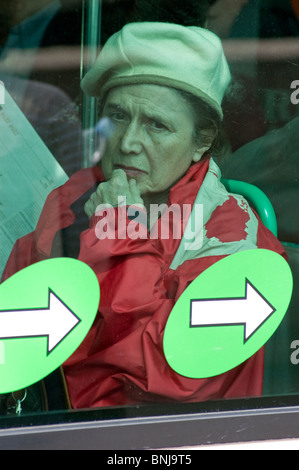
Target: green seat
(257,199)
(281,374)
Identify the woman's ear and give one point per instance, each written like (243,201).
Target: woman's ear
(207,137)
(199,153)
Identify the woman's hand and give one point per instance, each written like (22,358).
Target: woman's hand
(115,192)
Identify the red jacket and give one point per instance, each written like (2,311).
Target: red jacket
(121,360)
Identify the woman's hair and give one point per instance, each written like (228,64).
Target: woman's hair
(208,126)
(187,13)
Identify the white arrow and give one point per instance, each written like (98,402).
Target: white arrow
(251,311)
(54,322)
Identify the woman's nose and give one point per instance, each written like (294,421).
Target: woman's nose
(131,141)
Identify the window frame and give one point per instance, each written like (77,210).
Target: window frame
(91,34)
(155,426)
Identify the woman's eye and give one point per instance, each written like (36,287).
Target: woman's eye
(117,116)
(157,125)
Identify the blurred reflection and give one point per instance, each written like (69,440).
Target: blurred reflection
(295,6)
(271,163)
(234,20)
(222,15)
(53,116)
(187,13)
(261,120)
(260,41)
(279,67)
(29,27)
(46,97)
(279,19)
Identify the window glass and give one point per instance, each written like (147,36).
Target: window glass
(130,152)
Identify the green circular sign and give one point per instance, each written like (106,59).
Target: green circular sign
(228,313)
(46,310)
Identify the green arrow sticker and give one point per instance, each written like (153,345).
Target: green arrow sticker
(46,310)
(228,313)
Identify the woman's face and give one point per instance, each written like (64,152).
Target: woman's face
(153,138)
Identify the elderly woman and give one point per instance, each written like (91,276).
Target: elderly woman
(161,86)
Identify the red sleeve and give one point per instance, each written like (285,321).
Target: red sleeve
(56,215)
(23,254)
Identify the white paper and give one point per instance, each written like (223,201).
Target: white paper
(2,93)
(28,173)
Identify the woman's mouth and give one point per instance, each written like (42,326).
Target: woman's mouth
(131,171)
